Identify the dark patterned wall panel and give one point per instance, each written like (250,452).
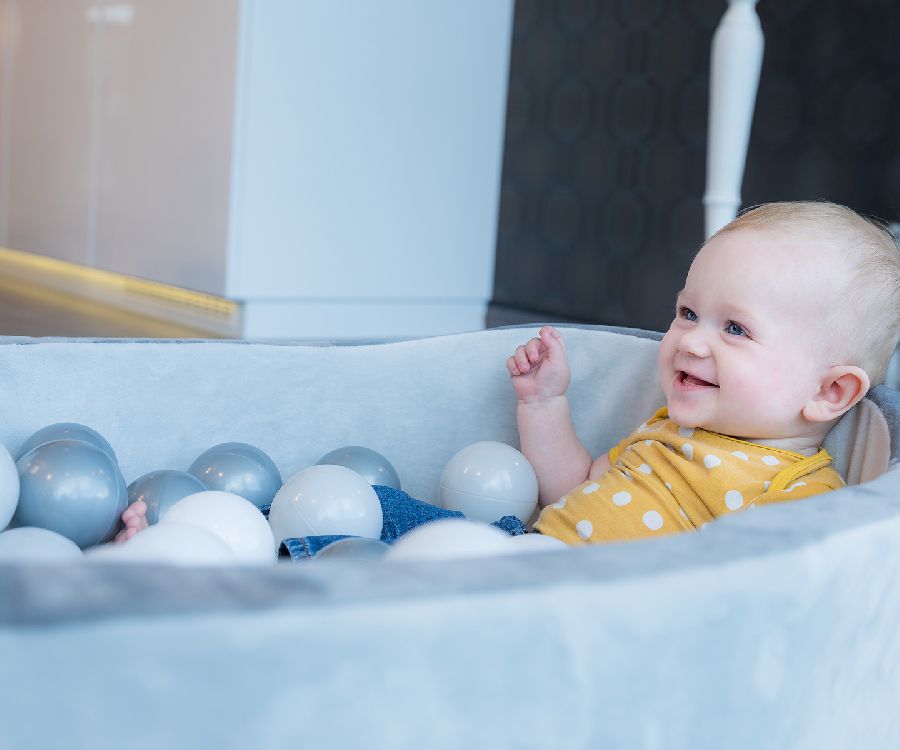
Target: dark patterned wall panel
(604,162)
(828,112)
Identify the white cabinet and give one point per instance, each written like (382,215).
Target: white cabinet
(332,166)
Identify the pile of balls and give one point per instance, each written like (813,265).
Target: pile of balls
(62,495)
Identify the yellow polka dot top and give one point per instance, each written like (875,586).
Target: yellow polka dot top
(665,479)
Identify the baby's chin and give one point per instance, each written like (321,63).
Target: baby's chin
(685,417)
(691,424)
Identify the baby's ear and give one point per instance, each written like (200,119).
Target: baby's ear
(841,388)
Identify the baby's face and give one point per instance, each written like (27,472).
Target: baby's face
(746,349)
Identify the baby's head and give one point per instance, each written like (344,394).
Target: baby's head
(788,314)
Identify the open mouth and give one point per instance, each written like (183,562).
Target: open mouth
(686,380)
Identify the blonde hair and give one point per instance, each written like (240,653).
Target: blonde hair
(868,315)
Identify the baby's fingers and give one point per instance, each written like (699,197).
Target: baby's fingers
(125,534)
(134,511)
(551,337)
(517,364)
(554,343)
(535,350)
(527,355)
(521,358)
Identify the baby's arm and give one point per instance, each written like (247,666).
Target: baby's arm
(539,370)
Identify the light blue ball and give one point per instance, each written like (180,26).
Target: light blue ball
(73,488)
(37,545)
(241,469)
(66,431)
(369,464)
(160,490)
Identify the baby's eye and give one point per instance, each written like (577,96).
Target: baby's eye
(735,329)
(687,313)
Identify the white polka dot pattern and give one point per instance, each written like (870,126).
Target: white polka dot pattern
(733,499)
(621,498)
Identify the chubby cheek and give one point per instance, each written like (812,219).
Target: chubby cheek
(665,362)
(772,391)
(756,394)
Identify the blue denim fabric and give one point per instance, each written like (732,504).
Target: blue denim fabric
(401,513)
(511,525)
(307,546)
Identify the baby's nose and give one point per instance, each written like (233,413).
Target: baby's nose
(695,343)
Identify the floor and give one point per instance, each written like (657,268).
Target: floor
(34,311)
(28,310)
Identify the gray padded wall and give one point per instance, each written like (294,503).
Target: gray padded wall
(777,627)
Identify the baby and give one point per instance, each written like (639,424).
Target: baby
(788,315)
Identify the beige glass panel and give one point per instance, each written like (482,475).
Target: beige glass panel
(166,123)
(49,49)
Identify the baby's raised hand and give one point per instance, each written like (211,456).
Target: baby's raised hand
(539,368)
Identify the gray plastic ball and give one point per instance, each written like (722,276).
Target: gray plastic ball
(369,464)
(241,469)
(73,488)
(160,490)
(353,548)
(66,431)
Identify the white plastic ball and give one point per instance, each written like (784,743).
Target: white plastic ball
(489,480)
(450,539)
(9,487)
(168,544)
(537,543)
(232,518)
(36,545)
(324,500)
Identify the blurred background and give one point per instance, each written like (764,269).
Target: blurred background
(305,169)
